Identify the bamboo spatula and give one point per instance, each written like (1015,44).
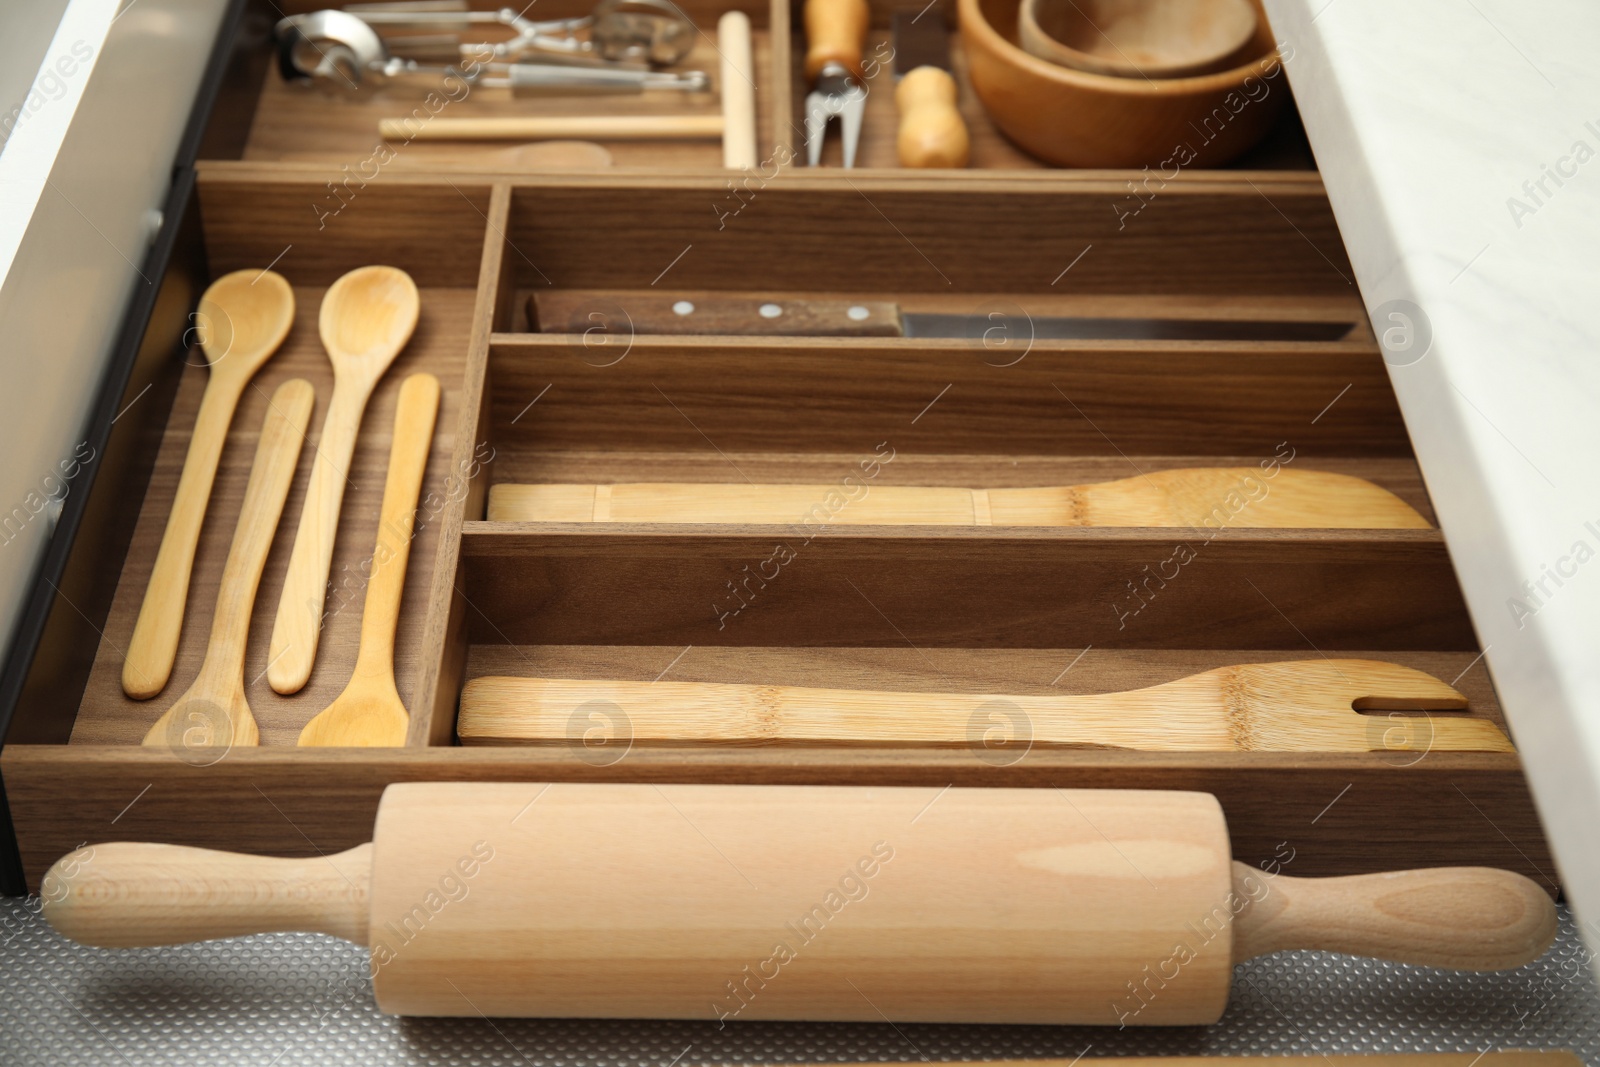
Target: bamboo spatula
(1292,706)
(213,715)
(1214,497)
(369,711)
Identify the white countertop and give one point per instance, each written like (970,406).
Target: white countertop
(1460,144)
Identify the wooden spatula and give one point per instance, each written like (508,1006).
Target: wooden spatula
(213,715)
(1212,497)
(366,319)
(242,319)
(767,902)
(1292,706)
(369,711)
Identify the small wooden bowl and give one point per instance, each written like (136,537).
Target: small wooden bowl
(1076,118)
(1138,38)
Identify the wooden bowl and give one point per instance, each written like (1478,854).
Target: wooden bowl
(1138,38)
(1076,118)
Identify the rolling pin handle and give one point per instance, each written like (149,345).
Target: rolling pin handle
(1462,918)
(131,895)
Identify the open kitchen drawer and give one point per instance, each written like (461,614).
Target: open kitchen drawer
(967,609)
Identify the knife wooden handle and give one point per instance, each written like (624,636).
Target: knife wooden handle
(1461,918)
(836,32)
(932,133)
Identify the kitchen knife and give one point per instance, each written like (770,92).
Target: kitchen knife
(719,314)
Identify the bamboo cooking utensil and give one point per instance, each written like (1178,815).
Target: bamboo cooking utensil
(1238,497)
(849,903)
(369,711)
(243,317)
(1291,706)
(213,715)
(366,319)
(1137,38)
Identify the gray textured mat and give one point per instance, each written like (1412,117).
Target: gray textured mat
(288,999)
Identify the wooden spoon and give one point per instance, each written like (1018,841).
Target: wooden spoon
(243,317)
(212,715)
(1137,38)
(369,711)
(1292,706)
(1210,497)
(366,319)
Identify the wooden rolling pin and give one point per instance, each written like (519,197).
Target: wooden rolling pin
(1291,706)
(559,128)
(1214,497)
(858,903)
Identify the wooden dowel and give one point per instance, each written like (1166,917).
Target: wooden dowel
(738,92)
(558,128)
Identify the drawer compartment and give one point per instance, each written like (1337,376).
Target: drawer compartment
(1031,611)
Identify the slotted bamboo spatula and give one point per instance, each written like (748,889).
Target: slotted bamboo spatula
(1292,706)
(369,711)
(1215,497)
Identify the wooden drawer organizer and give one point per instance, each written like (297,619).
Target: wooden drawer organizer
(979,609)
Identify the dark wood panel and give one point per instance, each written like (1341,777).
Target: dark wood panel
(567,583)
(1338,814)
(313,230)
(790,395)
(883,230)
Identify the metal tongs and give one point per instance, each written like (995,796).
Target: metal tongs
(343,50)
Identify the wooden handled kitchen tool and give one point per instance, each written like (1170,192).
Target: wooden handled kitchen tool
(213,715)
(366,319)
(369,711)
(1290,706)
(932,132)
(242,319)
(836,33)
(769,314)
(853,903)
(559,128)
(1211,497)
(738,87)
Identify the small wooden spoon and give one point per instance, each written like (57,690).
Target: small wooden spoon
(369,711)
(1137,38)
(367,318)
(242,319)
(212,715)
